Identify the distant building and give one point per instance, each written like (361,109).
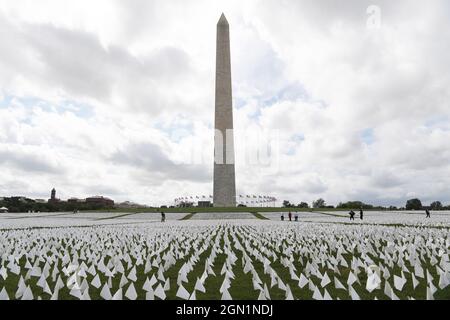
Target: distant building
(204,204)
(53,198)
(76,200)
(129,205)
(3,210)
(100,200)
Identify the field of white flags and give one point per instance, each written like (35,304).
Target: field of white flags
(412,218)
(85,257)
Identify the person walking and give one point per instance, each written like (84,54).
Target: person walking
(361,214)
(352,215)
(427,213)
(163,216)
(290,216)
(296,217)
(282,217)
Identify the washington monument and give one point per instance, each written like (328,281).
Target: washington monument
(224,188)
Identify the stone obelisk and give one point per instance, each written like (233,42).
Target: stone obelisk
(224,189)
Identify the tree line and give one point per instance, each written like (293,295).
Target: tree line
(411,204)
(20,204)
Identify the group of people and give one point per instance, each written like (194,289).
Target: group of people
(352,214)
(289,216)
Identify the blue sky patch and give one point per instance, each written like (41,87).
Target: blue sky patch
(367,136)
(81,110)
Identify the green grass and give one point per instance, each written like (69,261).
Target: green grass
(259,215)
(329,214)
(188,216)
(206,209)
(115,217)
(238,209)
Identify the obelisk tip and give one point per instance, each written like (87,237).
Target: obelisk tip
(222,20)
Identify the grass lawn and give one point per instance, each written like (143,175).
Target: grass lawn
(215,209)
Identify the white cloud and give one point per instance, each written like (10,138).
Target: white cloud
(113,96)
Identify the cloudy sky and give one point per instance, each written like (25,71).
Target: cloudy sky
(116,98)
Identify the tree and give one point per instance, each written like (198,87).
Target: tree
(319,203)
(286,204)
(354,205)
(436,205)
(303,205)
(413,204)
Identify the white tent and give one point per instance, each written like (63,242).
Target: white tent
(3,210)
